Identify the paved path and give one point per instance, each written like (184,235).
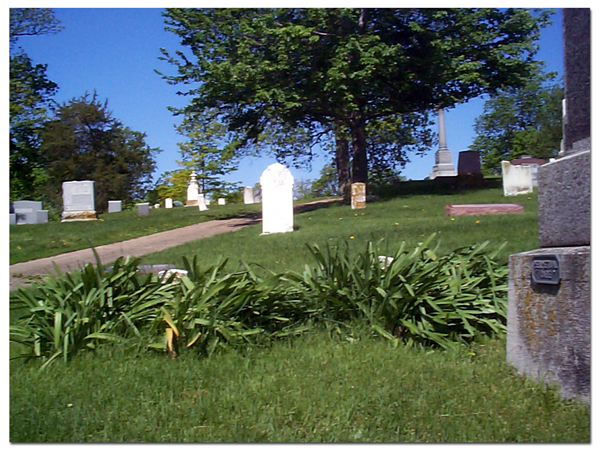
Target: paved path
(20,272)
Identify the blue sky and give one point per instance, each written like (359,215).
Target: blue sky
(115,52)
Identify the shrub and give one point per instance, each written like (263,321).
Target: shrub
(417,296)
(67,312)
(216,309)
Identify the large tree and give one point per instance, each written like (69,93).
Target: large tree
(30,101)
(84,142)
(520,121)
(346,67)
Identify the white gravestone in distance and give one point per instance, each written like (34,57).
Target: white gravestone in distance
(78,201)
(114,206)
(192,191)
(277,185)
(221,201)
(516,179)
(202,203)
(248,195)
(168,203)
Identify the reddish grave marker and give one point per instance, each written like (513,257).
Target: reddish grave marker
(483,208)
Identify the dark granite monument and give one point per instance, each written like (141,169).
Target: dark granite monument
(549,288)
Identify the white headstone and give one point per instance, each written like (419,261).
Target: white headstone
(277,185)
(114,206)
(248,195)
(192,191)
(202,203)
(168,203)
(516,179)
(78,201)
(221,201)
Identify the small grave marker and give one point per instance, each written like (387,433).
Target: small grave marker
(114,206)
(143,209)
(516,180)
(359,196)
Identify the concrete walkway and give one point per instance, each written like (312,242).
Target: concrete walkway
(20,273)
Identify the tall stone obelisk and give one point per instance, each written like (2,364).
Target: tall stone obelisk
(443,157)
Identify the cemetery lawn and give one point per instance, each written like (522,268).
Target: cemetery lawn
(28,242)
(344,385)
(314,388)
(410,219)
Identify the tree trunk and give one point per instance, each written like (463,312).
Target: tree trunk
(342,162)
(359,151)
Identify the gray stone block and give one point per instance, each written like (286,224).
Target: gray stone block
(564,201)
(549,325)
(143,209)
(114,206)
(41,216)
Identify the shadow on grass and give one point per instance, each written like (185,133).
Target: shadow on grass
(438,186)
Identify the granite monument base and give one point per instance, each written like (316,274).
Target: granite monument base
(564,199)
(75,216)
(548,334)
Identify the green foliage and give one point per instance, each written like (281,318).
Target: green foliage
(83,142)
(214,309)
(516,122)
(30,100)
(204,151)
(32,22)
(316,69)
(30,92)
(68,312)
(418,297)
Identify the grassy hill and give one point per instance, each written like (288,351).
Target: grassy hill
(338,383)
(409,218)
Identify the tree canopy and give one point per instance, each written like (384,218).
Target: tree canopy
(524,121)
(346,68)
(32,22)
(30,102)
(84,142)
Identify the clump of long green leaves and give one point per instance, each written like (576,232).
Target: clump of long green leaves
(66,312)
(215,309)
(415,296)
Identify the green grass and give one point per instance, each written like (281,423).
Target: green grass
(411,218)
(316,388)
(347,386)
(29,242)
